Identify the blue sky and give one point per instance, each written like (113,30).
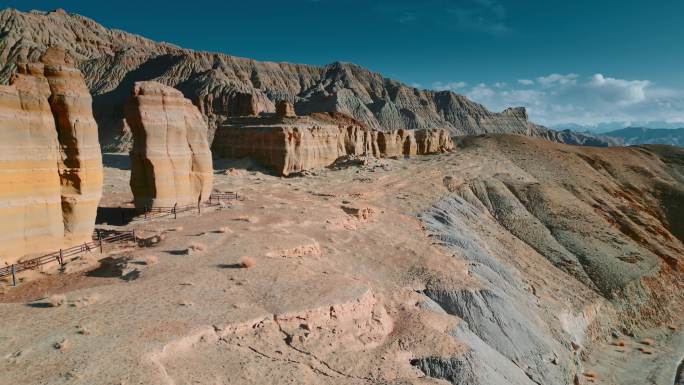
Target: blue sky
(573,61)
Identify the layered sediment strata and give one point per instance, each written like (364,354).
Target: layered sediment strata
(290,144)
(50,162)
(170,161)
(80,164)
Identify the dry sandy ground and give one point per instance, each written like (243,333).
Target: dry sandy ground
(345,289)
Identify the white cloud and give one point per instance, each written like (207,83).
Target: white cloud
(618,91)
(555,79)
(450,86)
(559,99)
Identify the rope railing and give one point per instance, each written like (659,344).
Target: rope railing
(59,256)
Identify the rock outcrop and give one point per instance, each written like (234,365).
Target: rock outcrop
(290,145)
(285,109)
(575,138)
(170,161)
(224,86)
(50,162)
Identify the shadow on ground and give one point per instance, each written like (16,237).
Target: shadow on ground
(177,252)
(120,161)
(110,267)
(39,305)
(229,266)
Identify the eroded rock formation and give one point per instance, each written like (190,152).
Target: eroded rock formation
(170,161)
(80,164)
(50,162)
(289,145)
(285,109)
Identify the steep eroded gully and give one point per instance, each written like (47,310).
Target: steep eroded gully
(529,321)
(506,326)
(577,252)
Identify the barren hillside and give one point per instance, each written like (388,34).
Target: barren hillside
(511,260)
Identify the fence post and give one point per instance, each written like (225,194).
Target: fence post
(135,240)
(175,213)
(61,258)
(99,240)
(14,277)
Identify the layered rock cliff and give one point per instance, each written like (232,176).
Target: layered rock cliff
(170,161)
(80,163)
(50,163)
(224,86)
(290,144)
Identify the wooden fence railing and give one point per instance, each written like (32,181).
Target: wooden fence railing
(215,199)
(218,197)
(100,238)
(98,242)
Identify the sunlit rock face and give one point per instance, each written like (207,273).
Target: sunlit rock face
(50,162)
(289,144)
(80,163)
(170,161)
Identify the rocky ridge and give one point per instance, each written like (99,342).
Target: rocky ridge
(224,86)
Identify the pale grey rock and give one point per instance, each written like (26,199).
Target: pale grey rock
(499,315)
(481,365)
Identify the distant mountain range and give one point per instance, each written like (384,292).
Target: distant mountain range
(642,135)
(603,127)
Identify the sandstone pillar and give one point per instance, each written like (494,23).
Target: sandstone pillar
(80,166)
(50,162)
(170,160)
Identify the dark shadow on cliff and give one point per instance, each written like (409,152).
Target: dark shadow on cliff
(108,106)
(672,200)
(671,195)
(114,215)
